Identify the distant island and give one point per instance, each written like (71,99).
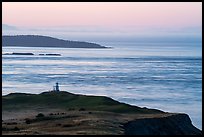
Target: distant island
(41,54)
(50,54)
(16,53)
(64,113)
(44,41)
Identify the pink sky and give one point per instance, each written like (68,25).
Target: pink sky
(112,15)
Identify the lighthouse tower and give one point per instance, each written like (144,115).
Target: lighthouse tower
(56,88)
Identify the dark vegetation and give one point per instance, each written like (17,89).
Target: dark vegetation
(41,117)
(10,129)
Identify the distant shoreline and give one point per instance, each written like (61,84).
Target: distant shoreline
(54,47)
(45,41)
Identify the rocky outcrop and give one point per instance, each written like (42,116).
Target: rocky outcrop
(15,53)
(178,124)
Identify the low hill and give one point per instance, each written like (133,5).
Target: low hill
(45,41)
(64,113)
(68,100)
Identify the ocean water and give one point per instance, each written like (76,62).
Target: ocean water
(162,76)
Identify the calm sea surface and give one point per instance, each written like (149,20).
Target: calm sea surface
(162,76)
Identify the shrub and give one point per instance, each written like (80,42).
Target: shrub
(51,114)
(58,124)
(16,129)
(68,125)
(28,121)
(82,109)
(40,115)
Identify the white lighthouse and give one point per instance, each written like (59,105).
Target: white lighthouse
(56,88)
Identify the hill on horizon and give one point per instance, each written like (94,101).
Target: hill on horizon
(44,41)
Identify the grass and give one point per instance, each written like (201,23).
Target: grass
(68,100)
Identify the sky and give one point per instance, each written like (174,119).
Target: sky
(104,20)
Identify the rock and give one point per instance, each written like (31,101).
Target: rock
(14,53)
(178,124)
